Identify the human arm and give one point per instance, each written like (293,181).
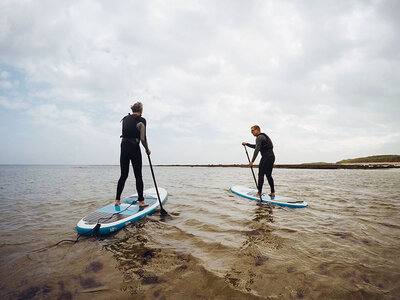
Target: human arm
(143,139)
(249,145)
(259,141)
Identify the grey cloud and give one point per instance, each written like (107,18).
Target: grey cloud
(312,73)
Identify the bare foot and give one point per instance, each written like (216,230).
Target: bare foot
(271,195)
(117,202)
(143,204)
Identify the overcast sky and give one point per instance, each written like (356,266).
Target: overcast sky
(321,78)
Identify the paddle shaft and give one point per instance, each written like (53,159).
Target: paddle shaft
(163,211)
(252,171)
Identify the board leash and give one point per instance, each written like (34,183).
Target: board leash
(95,229)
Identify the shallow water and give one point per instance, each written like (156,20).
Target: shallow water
(345,245)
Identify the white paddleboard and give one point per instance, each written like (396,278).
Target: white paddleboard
(112,218)
(279,200)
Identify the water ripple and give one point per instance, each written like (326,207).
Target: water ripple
(217,245)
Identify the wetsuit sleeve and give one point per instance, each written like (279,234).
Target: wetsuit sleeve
(143,139)
(251,145)
(258,146)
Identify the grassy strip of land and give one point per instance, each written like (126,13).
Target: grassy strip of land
(372,159)
(339,166)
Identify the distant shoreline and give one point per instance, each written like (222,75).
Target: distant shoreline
(300,166)
(376,165)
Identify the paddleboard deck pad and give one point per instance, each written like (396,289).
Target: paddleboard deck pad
(279,200)
(112,218)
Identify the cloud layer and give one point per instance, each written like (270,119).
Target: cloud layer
(321,78)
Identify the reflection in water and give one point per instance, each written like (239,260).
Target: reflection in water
(151,272)
(251,254)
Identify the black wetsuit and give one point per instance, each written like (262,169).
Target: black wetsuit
(264,145)
(133,131)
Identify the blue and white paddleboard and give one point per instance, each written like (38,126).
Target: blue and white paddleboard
(279,200)
(112,218)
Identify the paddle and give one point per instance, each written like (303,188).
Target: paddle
(252,171)
(163,211)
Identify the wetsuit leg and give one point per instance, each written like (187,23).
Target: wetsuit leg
(268,172)
(124,165)
(137,169)
(261,173)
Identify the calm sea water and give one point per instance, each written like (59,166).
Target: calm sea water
(345,245)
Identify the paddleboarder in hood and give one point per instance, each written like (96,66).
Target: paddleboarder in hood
(133,132)
(263,145)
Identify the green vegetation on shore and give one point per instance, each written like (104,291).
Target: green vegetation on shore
(372,159)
